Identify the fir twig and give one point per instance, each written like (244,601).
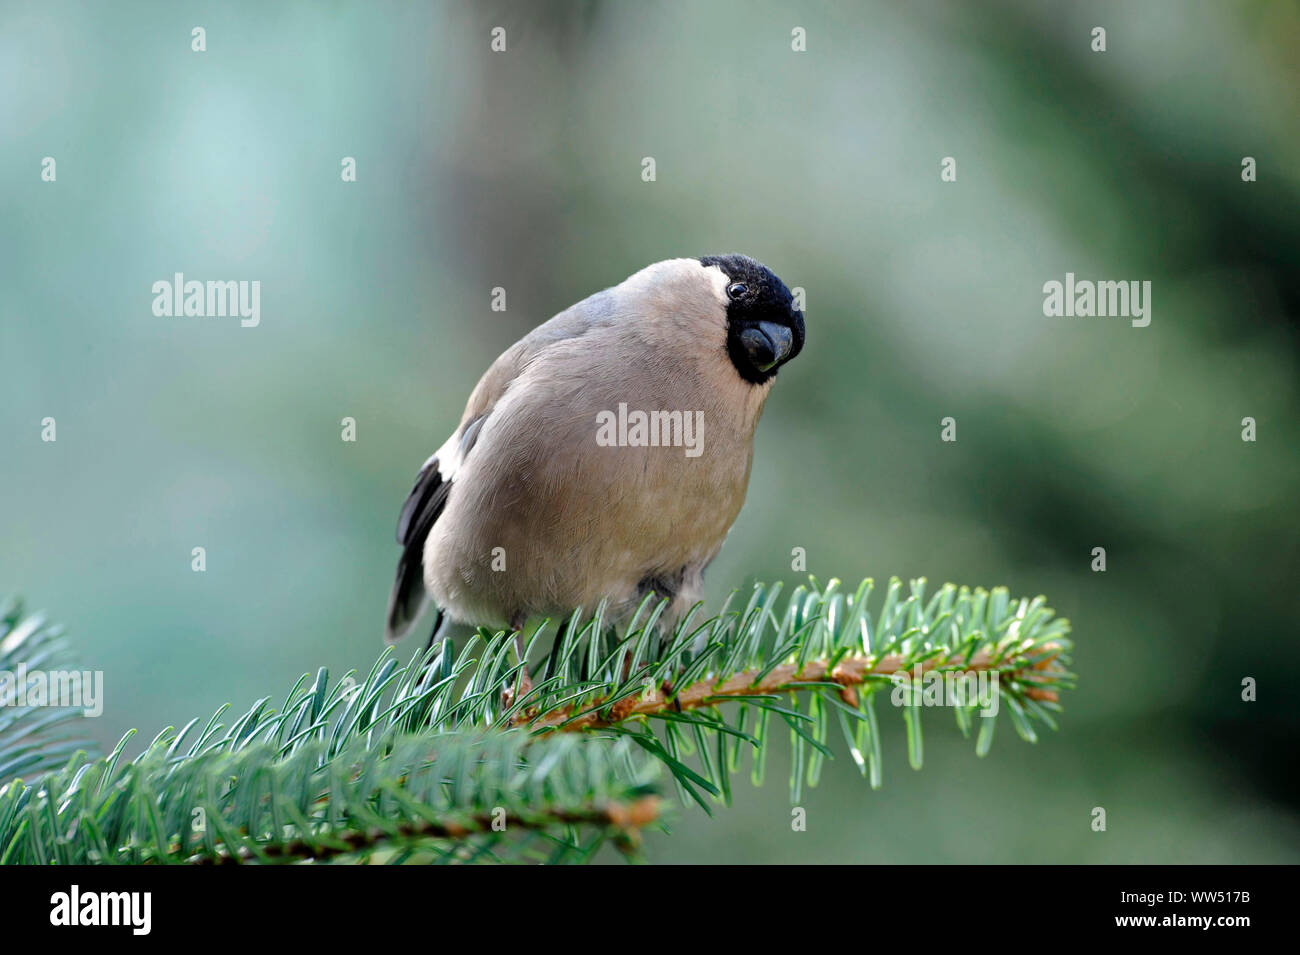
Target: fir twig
(817,674)
(427,760)
(623,820)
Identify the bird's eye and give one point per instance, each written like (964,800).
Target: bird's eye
(737,290)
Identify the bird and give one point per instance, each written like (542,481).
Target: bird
(603,456)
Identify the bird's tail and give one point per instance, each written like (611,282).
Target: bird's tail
(406,602)
(421,509)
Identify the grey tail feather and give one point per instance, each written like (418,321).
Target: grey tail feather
(406,602)
(439,622)
(421,509)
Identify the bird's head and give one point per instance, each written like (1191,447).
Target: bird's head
(764,329)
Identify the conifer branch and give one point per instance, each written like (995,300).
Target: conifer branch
(623,820)
(848,673)
(821,659)
(429,760)
(34,737)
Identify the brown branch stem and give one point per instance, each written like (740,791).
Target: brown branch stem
(626,819)
(849,672)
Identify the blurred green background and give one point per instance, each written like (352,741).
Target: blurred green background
(522,170)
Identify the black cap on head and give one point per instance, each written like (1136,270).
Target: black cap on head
(764,329)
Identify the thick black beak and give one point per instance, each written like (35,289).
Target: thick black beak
(767,344)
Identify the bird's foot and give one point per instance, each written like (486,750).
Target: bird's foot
(668,692)
(522,687)
(522,684)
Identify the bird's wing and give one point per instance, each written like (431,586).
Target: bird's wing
(433,484)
